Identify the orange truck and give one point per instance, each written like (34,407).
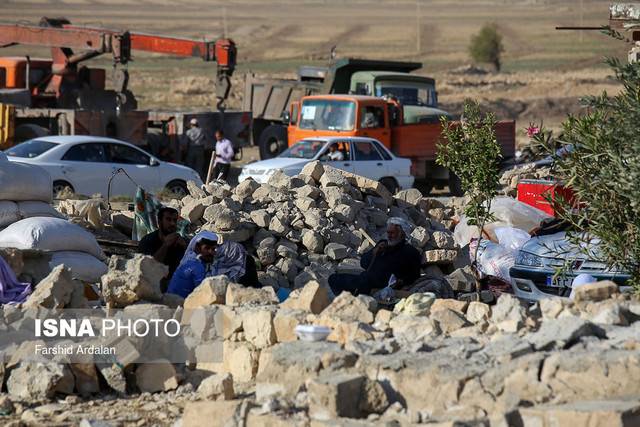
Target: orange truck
(410,130)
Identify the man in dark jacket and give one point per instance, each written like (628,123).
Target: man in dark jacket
(394,256)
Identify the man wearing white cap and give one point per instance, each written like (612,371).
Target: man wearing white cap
(195,147)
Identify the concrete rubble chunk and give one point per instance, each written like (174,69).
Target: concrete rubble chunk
(462,280)
(217,387)
(332,178)
(313,241)
(373,398)
(563,333)
(285,322)
(508,314)
(139,281)
(440,256)
(346,307)
(409,197)
(34,382)
(336,251)
(195,191)
(160,375)
(449,320)
(210,413)
(596,291)
(193,211)
(57,290)
(334,396)
(238,295)
(279,180)
(420,237)
(443,240)
(411,329)
(451,304)
(258,328)
(313,298)
(478,311)
(86,378)
(212,290)
(246,188)
(314,170)
(594,413)
(241,361)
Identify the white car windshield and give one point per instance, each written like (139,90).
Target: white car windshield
(30,149)
(303,150)
(328,114)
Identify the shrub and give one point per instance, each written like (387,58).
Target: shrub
(486,46)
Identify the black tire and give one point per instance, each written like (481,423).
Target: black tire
(391,184)
(455,185)
(60,186)
(29,131)
(273,141)
(177,188)
(424,185)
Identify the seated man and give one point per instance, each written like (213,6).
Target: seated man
(334,154)
(165,244)
(394,256)
(206,258)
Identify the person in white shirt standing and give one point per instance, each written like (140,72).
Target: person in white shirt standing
(224,155)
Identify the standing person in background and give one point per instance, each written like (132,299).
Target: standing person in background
(224,155)
(195,147)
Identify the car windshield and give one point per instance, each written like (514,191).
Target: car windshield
(326,114)
(307,149)
(30,149)
(409,93)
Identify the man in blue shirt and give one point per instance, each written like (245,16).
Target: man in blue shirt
(192,272)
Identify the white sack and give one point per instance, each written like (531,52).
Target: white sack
(20,181)
(8,213)
(84,267)
(33,208)
(49,234)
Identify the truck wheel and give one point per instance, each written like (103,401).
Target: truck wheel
(29,131)
(273,141)
(455,185)
(390,184)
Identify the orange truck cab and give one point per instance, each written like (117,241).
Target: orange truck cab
(411,131)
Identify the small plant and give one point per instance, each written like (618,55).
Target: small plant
(598,157)
(486,46)
(471,151)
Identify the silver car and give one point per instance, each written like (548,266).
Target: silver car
(546,266)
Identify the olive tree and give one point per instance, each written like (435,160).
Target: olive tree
(486,46)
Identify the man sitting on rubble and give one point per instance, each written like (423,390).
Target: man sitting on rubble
(165,244)
(206,258)
(394,256)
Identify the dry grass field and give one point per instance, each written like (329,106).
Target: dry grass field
(545,71)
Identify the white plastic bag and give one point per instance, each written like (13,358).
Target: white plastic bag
(512,238)
(32,208)
(20,181)
(8,213)
(84,267)
(495,260)
(514,213)
(49,234)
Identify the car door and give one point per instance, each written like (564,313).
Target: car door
(136,170)
(367,161)
(85,167)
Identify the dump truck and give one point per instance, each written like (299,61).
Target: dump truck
(62,96)
(402,120)
(269,99)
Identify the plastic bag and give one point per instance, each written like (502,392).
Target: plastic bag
(495,260)
(512,238)
(514,213)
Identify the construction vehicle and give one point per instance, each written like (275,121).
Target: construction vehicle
(62,96)
(410,130)
(269,99)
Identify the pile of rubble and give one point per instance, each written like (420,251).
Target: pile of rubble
(428,361)
(510,178)
(319,222)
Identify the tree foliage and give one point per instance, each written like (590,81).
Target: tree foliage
(471,151)
(486,46)
(598,157)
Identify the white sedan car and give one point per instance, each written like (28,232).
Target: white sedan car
(85,164)
(363,156)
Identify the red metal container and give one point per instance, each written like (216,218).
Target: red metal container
(541,193)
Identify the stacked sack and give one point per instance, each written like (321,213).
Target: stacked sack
(28,221)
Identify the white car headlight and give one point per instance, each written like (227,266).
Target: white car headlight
(528,259)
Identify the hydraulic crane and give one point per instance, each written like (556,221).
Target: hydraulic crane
(47,86)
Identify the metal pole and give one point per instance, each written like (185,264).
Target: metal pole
(418,27)
(581,20)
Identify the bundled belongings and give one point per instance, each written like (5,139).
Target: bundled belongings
(11,290)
